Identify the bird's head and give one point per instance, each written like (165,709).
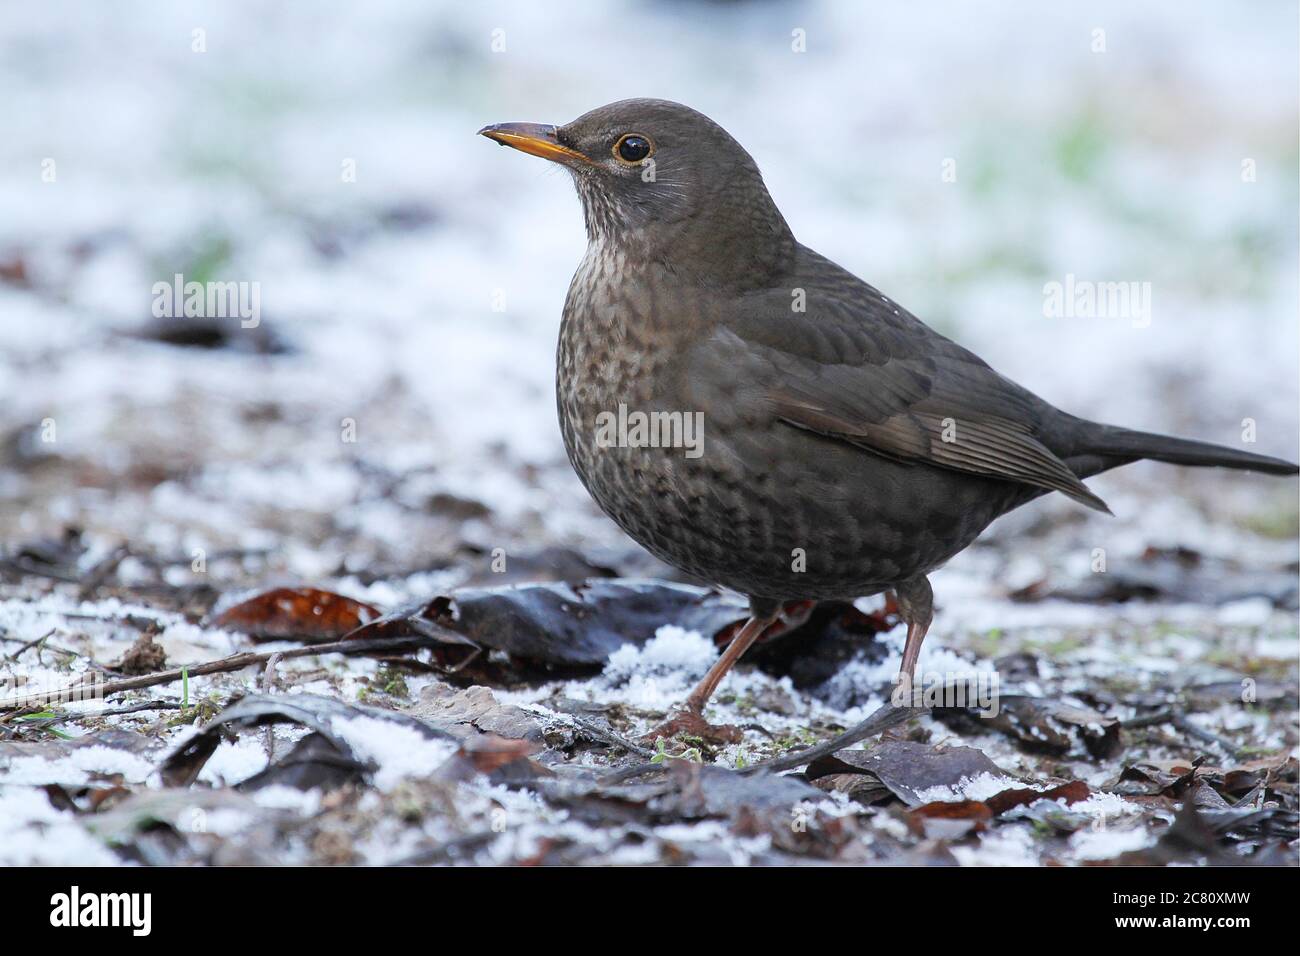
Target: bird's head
(665,182)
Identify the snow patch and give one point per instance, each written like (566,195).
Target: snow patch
(397,750)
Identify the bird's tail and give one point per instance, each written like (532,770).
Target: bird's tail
(1111,441)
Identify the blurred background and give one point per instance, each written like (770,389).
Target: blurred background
(411,274)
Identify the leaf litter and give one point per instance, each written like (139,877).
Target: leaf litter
(405,753)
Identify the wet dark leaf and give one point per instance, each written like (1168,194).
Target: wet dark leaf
(503,760)
(53,749)
(181,767)
(1043,725)
(904,767)
(555,626)
(1189,840)
(1261,693)
(1152,778)
(55,558)
(314,761)
(204,332)
(688,791)
(705,790)
(558,627)
(1274,775)
(555,564)
(1253,826)
(952,819)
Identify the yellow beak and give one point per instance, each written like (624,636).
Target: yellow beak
(533,138)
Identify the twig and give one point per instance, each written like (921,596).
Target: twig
(609,737)
(226,664)
(1150,720)
(101,572)
(30,644)
(159,562)
(268,675)
(885,717)
(881,720)
(137,621)
(135,708)
(22,566)
(268,685)
(1186,726)
(1183,723)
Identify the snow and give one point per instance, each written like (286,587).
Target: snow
(1004,847)
(979,787)
(304,803)
(1108,843)
(77,767)
(34,833)
(672,649)
(399,751)
(235,761)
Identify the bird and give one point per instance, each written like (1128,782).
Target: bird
(760,418)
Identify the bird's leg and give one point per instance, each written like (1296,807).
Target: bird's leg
(689,717)
(915,603)
(746,636)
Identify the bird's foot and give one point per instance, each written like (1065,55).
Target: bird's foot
(691,723)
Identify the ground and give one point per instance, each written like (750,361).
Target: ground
(386,433)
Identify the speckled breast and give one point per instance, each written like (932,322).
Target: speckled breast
(763,508)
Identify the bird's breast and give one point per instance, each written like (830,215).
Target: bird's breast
(624,321)
(625,404)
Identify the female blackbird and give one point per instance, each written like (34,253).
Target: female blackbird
(759,417)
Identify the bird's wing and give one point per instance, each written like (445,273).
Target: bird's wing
(853,365)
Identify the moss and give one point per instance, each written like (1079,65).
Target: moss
(392,681)
(803,737)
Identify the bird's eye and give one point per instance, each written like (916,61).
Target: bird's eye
(633,148)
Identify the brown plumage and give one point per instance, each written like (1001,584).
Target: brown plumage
(848,448)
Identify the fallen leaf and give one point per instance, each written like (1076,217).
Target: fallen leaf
(314,761)
(544,628)
(904,767)
(949,819)
(466,711)
(490,754)
(181,767)
(1067,793)
(1044,725)
(299,614)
